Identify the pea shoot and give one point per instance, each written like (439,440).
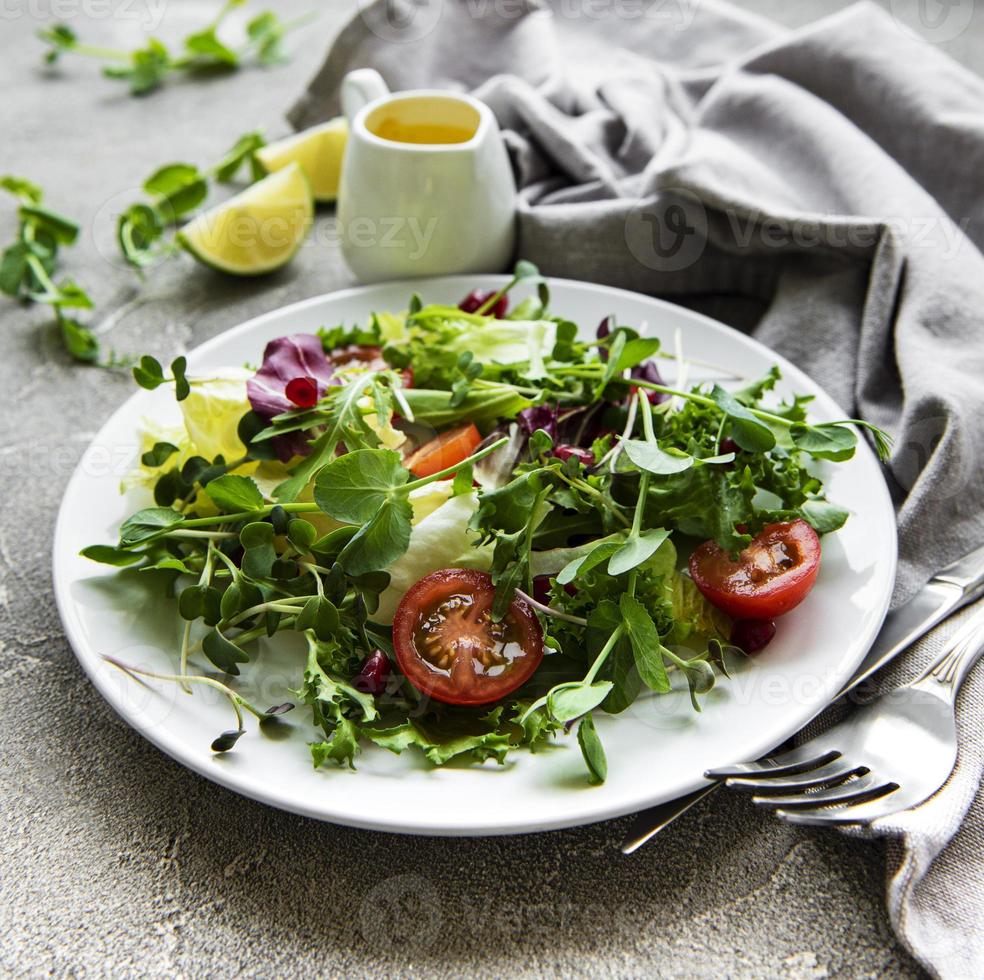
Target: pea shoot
(147,68)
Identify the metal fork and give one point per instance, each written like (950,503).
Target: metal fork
(888,756)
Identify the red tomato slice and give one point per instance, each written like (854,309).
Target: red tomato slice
(449,648)
(445,450)
(771,576)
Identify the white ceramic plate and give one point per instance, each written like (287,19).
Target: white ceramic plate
(657,750)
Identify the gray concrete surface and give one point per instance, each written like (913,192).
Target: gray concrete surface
(115,860)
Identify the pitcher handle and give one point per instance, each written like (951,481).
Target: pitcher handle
(359,88)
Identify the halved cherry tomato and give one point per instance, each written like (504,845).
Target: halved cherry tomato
(771,576)
(445,450)
(449,647)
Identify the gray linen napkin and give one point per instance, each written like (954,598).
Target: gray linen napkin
(820,188)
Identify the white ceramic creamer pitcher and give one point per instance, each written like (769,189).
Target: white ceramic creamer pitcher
(426,185)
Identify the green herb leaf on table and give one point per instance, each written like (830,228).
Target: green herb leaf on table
(28,265)
(147,68)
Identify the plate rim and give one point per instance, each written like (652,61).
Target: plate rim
(72,625)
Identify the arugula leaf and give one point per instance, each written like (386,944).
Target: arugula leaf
(343,419)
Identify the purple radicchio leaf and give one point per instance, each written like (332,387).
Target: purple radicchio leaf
(538,417)
(284,359)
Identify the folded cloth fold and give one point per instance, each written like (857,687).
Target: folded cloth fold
(819,188)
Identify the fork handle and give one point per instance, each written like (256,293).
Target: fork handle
(961,653)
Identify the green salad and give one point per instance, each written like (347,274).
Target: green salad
(486,527)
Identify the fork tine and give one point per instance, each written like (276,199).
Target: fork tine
(828,775)
(791,763)
(853,791)
(852,812)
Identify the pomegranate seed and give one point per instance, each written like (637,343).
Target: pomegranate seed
(584,456)
(477,298)
(303,392)
(753,635)
(373,674)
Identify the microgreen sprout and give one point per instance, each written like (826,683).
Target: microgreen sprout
(143,230)
(203,51)
(29,265)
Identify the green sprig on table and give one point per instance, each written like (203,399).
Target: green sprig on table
(147,68)
(174,191)
(28,266)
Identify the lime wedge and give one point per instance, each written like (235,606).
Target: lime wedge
(257,231)
(319,150)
